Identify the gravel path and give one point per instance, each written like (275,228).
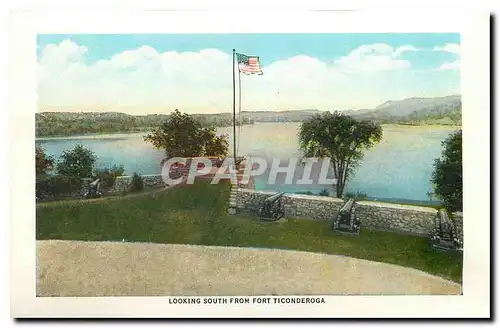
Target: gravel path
(73,268)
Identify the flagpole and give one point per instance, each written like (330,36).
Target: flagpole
(239,111)
(234,110)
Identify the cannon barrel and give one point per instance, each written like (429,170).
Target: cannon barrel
(272,207)
(274,197)
(444,236)
(345,220)
(444,219)
(347,207)
(445,224)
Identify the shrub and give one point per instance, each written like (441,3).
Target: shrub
(137,183)
(58,186)
(324,192)
(357,195)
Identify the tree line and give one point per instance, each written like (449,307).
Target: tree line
(66,124)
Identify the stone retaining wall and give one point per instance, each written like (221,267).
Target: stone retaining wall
(248,201)
(458,220)
(309,206)
(122,183)
(413,220)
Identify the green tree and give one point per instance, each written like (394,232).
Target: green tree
(215,145)
(183,136)
(342,139)
(77,163)
(447,174)
(43,163)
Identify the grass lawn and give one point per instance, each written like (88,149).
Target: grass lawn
(196,214)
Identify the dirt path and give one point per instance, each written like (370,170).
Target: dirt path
(71,268)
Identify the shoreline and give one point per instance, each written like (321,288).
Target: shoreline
(126,133)
(102,135)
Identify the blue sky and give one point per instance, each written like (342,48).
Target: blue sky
(425,65)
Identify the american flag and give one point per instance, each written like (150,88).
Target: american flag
(249,64)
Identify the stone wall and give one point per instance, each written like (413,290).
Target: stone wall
(309,206)
(248,201)
(122,184)
(413,220)
(296,206)
(458,220)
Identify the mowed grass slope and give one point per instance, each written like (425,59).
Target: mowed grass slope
(196,214)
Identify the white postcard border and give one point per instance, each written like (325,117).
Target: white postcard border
(474,29)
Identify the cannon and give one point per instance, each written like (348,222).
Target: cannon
(272,209)
(345,220)
(444,235)
(94,190)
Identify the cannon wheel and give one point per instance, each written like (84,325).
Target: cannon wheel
(279,214)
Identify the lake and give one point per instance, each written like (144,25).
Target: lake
(397,168)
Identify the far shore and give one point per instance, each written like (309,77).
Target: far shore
(100,135)
(111,135)
(423,125)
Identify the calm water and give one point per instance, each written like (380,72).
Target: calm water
(399,167)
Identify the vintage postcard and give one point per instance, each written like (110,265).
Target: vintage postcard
(205,164)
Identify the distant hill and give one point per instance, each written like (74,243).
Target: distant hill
(281,116)
(440,110)
(418,110)
(413,111)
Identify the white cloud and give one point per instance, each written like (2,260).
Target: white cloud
(403,49)
(144,80)
(54,55)
(374,57)
(452,65)
(451,48)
